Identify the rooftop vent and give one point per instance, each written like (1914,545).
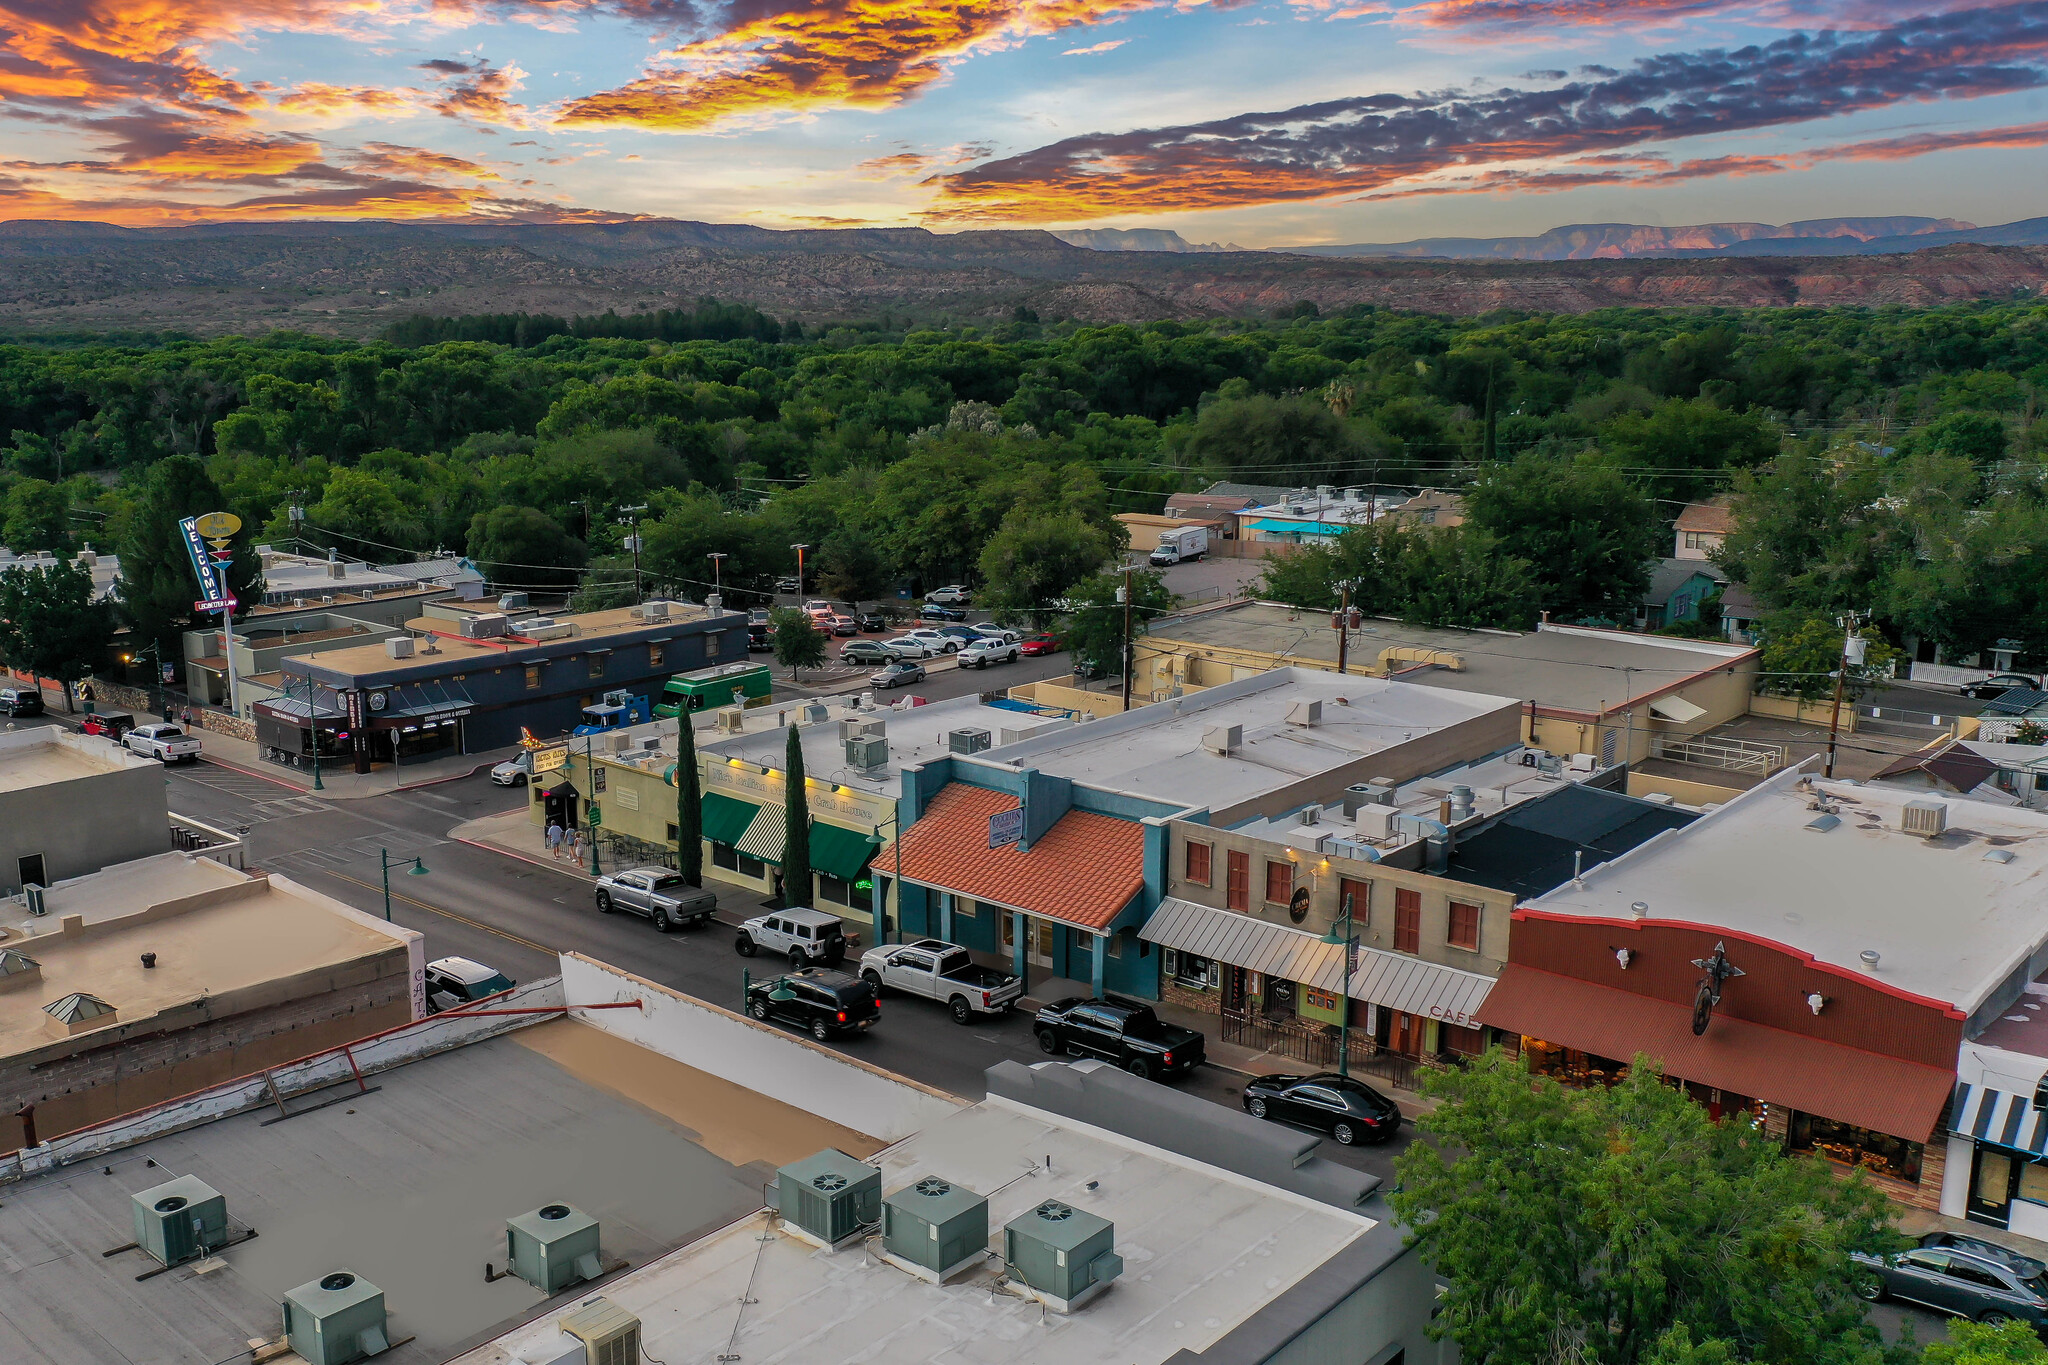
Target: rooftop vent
(336,569)
(547,628)
(1304,712)
(18,969)
(732,720)
(935,1228)
(967,741)
(868,752)
(829,1197)
(399,646)
(514,601)
(1821,824)
(336,1319)
(1063,1254)
(816,713)
(552,1247)
(1223,740)
(1926,819)
(180,1221)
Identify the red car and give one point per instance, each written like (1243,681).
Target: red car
(1040,644)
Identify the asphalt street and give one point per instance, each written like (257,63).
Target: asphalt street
(479,903)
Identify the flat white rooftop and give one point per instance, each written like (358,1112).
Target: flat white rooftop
(1948,917)
(1157,751)
(45,754)
(1204,1250)
(916,734)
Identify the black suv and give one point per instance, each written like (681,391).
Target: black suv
(1125,1032)
(822,1001)
(20,701)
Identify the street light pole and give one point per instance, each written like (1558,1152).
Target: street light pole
(717,558)
(1347,940)
(1125,593)
(590,771)
(418,869)
(799,571)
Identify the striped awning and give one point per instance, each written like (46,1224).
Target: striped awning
(2002,1118)
(1394,981)
(726,818)
(766,837)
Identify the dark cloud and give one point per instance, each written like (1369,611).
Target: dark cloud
(1544,75)
(1364,143)
(448,66)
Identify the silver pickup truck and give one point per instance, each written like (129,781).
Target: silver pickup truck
(944,972)
(656,892)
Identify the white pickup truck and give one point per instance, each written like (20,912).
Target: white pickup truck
(944,972)
(164,743)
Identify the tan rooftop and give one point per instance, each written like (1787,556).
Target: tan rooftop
(592,627)
(38,758)
(241,942)
(1715,517)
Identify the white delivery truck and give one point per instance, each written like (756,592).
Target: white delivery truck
(1188,542)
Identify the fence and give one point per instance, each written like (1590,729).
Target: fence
(1734,755)
(193,836)
(1316,1044)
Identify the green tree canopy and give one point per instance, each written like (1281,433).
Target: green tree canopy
(1033,558)
(1802,653)
(1448,576)
(38,517)
(522,547)
(1987,1343)
(1094,628)
(851,569)
(49,622)
(158,587)
(1587,1224)
(798,643)
(1586,533)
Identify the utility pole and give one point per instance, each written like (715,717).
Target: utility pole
(1853,648)
(1125,594)
(1347,619)
(630,516)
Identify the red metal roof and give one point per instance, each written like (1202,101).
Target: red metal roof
(1082,871)
(1845,1084)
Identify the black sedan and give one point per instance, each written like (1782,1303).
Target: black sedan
(1998,684)
(1348,1110)
(2026,1267)
(871,620)
(933,611)
(1953,1280)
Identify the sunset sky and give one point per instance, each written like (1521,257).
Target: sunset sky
(1267,122)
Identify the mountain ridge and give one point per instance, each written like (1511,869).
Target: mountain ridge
(1873,236)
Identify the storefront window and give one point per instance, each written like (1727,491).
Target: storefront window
(732,860)
(1879,1153)
(1190,970)
(844,893)
(2034,1182)
(1570,1065)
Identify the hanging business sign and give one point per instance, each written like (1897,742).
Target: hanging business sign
(549,759)
(205,548)
(1005,827)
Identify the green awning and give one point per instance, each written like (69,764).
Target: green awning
(839,852)
(726,817)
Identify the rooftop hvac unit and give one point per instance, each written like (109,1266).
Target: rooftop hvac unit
(1304,712)
(1063,1253)
(1376,822)
(180,1220)
(732,720)
(874,729)
(514,601)
(486,624)
(610,1335)
(936,1226)
(1928,819)
(850,729)
(547,628)
(335,1319)
(1378,792)
(869,751)
(1550,765)
(620,741)
(399,646)
(1222,740)
(967,741)
(651,611)
(1582,763)
(829,1197)
(553,1247)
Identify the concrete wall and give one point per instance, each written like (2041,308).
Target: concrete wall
(1060,693)
(766,1060)
(1808,712)
(1678,789)
(1425,754)
(82,824)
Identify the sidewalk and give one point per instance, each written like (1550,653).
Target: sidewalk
(513,833)
(338,782)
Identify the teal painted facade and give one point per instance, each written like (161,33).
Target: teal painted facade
(1115,962)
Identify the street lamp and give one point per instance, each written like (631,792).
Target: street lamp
(882,905)
(313,725)
(799,570)
(590,803)
(418,869)
(1348,941)
(717,558)
(156,675)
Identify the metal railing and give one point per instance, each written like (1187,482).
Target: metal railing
(1734,755)
(1316,1044)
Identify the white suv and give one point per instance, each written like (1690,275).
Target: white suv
(804,935)
(952,596)
(938,642)
(983,652)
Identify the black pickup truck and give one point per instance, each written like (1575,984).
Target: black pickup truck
(1125,1032)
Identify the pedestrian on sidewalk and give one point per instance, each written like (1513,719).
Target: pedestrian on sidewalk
(582,841)
(555,839)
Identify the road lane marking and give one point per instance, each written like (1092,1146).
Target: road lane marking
(459,918)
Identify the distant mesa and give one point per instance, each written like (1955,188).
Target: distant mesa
(1619,241)
(1137,239)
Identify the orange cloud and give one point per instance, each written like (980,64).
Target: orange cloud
(317,100)
(856,54)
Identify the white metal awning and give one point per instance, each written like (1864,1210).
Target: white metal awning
(1392,980)
(2000,1117)
(1676,709)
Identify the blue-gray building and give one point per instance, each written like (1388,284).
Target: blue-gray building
(470,679)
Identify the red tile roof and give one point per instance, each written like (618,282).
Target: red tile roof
(1867,1089)
(1082,871)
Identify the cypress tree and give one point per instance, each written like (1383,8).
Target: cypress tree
(689,805)
(796,812)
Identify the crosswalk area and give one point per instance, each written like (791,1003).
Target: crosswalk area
(399,843)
